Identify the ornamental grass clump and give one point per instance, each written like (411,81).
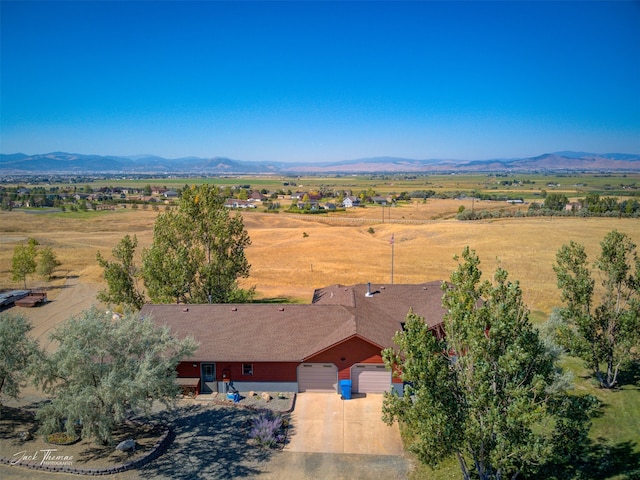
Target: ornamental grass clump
(267,430)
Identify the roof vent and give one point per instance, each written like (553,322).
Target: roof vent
(185,309)
(234,309)
(368,294)
(281,309)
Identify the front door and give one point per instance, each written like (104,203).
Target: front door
(209,384)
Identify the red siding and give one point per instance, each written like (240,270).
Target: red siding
(187,369)
(262,371)
(355,350)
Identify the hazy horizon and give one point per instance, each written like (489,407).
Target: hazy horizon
(320,81)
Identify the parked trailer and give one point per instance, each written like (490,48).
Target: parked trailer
(7,299)
(31,300)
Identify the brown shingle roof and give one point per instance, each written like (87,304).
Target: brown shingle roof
(255,332)
(292,333)
(379,316)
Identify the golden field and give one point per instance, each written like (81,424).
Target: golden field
(290,255)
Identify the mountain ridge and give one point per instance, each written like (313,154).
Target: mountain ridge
(75,163)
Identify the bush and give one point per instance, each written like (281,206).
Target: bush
(266,430)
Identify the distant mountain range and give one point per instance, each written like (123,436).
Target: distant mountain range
(74,163)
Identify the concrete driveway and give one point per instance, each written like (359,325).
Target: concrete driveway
(324,423)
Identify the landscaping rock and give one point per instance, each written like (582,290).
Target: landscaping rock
(127,445)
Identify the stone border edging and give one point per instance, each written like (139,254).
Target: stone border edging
(158,449)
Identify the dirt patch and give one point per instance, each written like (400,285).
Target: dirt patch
(70,298)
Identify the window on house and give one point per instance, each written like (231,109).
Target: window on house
(247,369)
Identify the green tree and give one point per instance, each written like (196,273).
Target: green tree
(243,194)
(606,336)
(19,353)
(23,262)
(197,254)
(485,393)
(47,263)
(306,201)
(555,201)
(122,275)
(106,368)
(146,191)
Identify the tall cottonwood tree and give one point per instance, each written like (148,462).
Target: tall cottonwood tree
(105,368)
(122,275)
(606,336)
(197,254)
(487,392)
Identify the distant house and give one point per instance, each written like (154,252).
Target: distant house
(299,348)
(350,202)
(573,207)
(257,197)
(170,194)
(311,204)
(380,200)
(237,203)
(516,201)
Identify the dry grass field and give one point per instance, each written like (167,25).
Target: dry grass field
(292,255)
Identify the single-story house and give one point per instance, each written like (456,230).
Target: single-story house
(299,348)
(257,197)
(381,200)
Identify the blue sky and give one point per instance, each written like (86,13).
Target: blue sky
(320,81)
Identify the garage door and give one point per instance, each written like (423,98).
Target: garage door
(317,377)
(370,379)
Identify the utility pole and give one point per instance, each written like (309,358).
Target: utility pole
(392,245)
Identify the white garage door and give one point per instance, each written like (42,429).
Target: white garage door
(317,377)
(370,378)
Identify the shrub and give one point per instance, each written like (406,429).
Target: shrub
(266,430)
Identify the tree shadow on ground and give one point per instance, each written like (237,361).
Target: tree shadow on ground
(210,442)
(630,375)
(13,420)
(144,434)
(599,460)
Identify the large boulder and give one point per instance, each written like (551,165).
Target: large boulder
(128,445)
